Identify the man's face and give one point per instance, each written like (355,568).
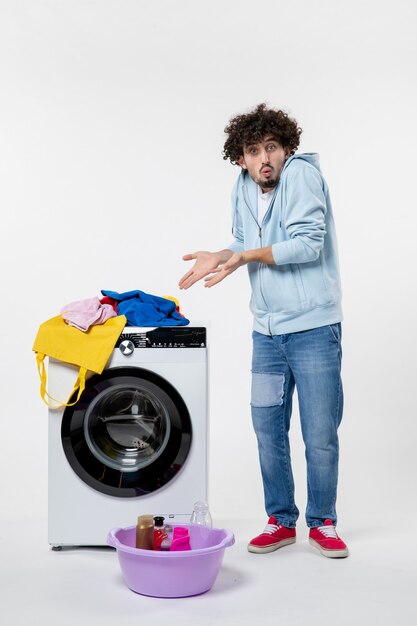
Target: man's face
(264,162)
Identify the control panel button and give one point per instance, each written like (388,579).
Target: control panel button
(127,347)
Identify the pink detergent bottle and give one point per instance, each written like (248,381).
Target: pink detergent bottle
(180,539)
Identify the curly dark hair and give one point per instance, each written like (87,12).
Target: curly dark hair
(252,127)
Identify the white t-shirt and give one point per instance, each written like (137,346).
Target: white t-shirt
(264,200)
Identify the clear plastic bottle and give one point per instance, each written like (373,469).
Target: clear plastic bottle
(201,515)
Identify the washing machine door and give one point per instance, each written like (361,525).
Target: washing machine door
(129,434)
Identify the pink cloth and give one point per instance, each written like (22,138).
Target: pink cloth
(180,539)
(85,313)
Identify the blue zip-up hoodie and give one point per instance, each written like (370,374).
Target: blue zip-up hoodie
(302,290)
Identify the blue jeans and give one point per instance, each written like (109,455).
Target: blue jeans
(311,361)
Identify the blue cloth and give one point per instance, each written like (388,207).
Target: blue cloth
(310,360)
(144,309)
(302,289)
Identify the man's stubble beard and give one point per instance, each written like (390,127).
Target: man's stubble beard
(269,184)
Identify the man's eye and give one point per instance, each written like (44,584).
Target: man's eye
(253,151)
(271,147)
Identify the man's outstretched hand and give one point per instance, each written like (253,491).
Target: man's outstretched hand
(205,264)
(212,266)
(236,260)
(215,266)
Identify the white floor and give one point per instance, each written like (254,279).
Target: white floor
(292,586)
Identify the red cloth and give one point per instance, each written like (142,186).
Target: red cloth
(108,300)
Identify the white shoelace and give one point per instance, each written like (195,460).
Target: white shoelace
(271,528)
(328,531)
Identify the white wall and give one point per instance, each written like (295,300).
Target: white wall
(111,132)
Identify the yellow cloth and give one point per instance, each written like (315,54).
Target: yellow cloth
(88,350)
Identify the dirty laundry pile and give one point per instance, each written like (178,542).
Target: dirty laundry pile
(144,309)
(101,322)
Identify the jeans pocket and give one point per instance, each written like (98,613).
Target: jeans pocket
(336,331)
(267,389)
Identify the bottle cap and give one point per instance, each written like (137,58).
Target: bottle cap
(201,505)
(144,521)
(159,520)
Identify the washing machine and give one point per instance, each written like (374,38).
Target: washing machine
(136,441)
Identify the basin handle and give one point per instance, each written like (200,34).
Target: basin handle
(111,539)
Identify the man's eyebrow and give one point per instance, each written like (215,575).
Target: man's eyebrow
(256,143)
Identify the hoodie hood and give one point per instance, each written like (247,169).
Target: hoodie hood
(311,157)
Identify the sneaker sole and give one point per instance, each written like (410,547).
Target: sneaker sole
(332,554)
(271,548)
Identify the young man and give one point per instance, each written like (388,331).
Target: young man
(284,232)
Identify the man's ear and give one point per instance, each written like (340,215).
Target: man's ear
(242,163)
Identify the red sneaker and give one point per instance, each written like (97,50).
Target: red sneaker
(273,537)
(326,539)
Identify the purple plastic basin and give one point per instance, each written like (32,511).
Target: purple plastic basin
(172,574)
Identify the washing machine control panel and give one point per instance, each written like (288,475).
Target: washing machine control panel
(168,337)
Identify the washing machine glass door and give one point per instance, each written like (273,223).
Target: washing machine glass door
(129,434)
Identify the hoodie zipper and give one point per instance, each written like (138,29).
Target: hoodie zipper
(245,197)
(260,265)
